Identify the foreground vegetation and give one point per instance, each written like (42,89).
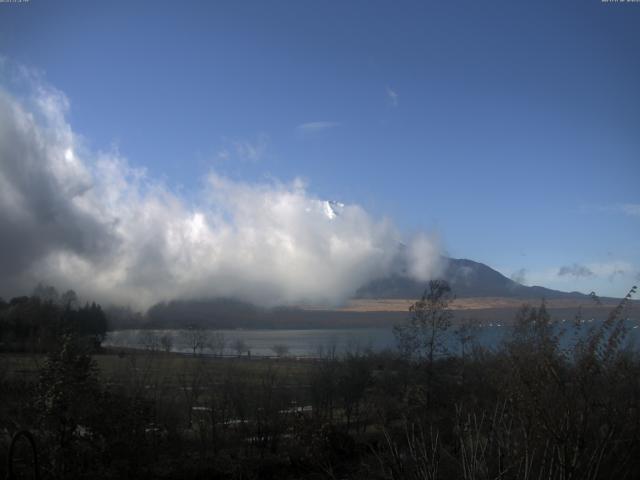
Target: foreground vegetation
(530,409)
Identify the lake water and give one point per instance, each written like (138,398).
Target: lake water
(312,343)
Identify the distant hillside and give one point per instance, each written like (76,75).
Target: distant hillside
(467,279)
(232,314)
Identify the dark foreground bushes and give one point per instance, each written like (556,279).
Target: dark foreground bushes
(531,409)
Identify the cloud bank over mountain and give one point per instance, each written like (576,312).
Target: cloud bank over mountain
(575,270)
(88,220)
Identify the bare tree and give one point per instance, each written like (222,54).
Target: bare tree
(166,341)
(218,343)
(328,351)
(465,332)
(280,350)
(191,380)
(150,341)
(196,339)
(239,346)
(412,455)
(354,376)
(422,337)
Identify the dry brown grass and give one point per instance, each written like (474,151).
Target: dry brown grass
(402,305)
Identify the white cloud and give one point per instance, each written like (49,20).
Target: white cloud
(520,276)
(90,221)
(610,278)
(316,127)
(424,257)
(632,209)
(392,96)
(611,270)
(252,150)
(245,150)
(574,270)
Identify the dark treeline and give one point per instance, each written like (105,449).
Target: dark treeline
(37,323)
(530,409)
(226,313)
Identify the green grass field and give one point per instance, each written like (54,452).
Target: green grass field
(120,366)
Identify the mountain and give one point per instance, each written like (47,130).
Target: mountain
(467,279)
(225,313)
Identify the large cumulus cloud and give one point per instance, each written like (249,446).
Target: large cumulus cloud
(88,220)
(43,186)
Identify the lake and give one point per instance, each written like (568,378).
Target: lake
(318,342)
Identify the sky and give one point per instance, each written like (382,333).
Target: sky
(503,132)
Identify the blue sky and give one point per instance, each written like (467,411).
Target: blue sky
(511,129)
